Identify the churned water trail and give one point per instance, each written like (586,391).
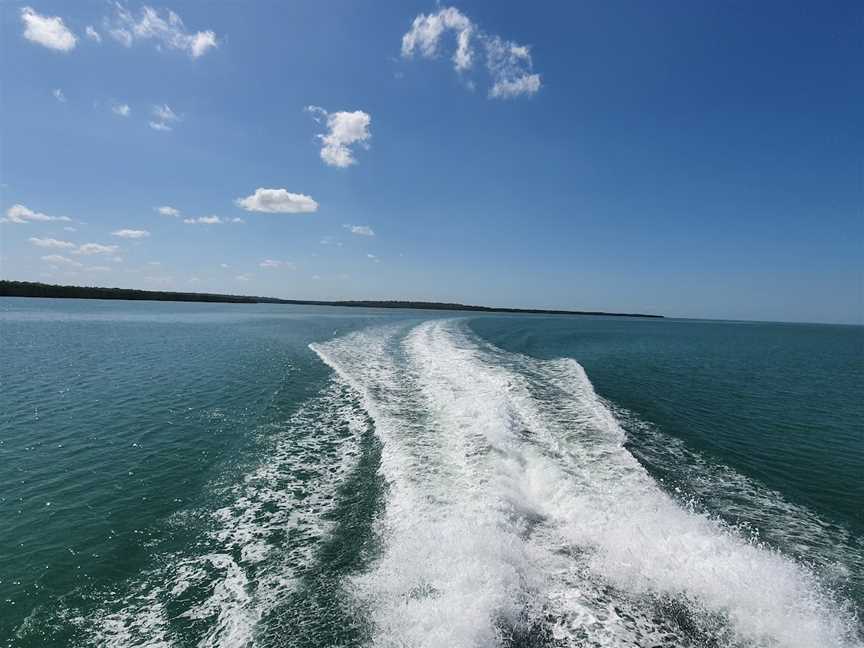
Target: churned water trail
(515,516)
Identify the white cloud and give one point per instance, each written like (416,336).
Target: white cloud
(92,34)
(344,130)
(373,257)
(48,31)
(168,211)
(95,248)
(204,220)
(194,280)
(237,219)
(243,277)
(360,230)
(121,109)
(50,243)
(154,263)
(270,263)
(164,118)
(97,269)
(508,64)
(57,259)
(277,201)
(329,240)
(131,233)
(21,214)
(168,31)
(160,280)
(70,229)
(224,265)
(426,32)
(58,95)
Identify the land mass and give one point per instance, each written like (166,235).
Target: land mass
(35,289)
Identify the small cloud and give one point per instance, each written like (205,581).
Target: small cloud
(330,240)
(21,214)
(508,64)
(50,243)
(168,211)
(97,269)
(243,277)
(131,233)
(168,31)
(270,263)
(154,263)
(237,219)
(164,117)
(193,280)
(224,265)
(121,109)
(95,248)
(204,220)
(59,260)
(281,201)
(344,130)
(316,277)
(360,230)
(70,229)
(92,34)
(160,280)
(373,258)
(48,31)
(58,95)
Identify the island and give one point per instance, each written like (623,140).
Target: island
(36,289)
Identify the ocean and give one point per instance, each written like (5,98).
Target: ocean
(176,474)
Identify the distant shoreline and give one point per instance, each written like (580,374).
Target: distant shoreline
(36,289)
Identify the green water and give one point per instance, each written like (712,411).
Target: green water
(197,474)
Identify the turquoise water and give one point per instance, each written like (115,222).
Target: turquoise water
(227,475)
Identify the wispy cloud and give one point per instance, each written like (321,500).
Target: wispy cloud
(273,263)
(164,118)
(360,230)
(344,130)
(48,31)
(121,109)
(50,243)
(277,201)
(60,260)
(58,95)
(21,214)
(165,30)
(204,220)
(508,64)
(167,211)
(92,34)
(95,248)
(131,233)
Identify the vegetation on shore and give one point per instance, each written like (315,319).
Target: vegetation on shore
(35,289)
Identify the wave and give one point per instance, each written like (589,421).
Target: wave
(515,515)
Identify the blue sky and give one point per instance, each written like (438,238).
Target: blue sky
(697,159)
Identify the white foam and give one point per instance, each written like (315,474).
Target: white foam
(512,500)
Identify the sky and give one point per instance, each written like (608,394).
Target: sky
(694,159)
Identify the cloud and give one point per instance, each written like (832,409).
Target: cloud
(57,259)
(270,263)
(168,211)
(426,32)
(237,219)
(70,229)
(121,109)
(165,117)
(21,214)
(277,201)
(360,230)
(50,243)
(373,257)
(168,31)
(243,277)
(344,130)
(48,31)
(204,220)
(508,64)
(97,269)
(92,34)
(95,248)
(58,95)
(131,233)
(224,265)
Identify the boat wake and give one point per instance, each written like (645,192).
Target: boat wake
(515,516)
